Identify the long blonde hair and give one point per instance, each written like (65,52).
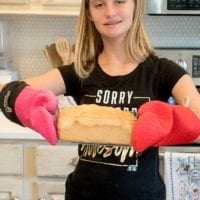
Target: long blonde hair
(89,43)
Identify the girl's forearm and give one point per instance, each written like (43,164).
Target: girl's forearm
(1,86)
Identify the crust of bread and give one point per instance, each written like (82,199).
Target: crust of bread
(95,124)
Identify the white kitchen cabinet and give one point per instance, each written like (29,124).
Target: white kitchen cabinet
(14,1)
(53,164)
(31,170)
(40,7)
(55,161)
(51,190)
(61,2)
(11,159)
(11,189)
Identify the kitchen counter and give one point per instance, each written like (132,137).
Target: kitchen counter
(190,148)
(10,130)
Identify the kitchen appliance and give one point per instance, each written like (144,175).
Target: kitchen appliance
(8,76)
(186,58)
(173,7)
(4,39)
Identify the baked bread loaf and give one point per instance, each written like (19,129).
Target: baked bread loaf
(95,124)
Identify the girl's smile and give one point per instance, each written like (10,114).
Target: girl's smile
(112,22)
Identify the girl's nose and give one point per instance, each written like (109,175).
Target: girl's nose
(110,11)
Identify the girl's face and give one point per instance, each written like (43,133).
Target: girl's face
(112,18)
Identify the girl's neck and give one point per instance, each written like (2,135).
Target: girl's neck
(114,59)
(116,62)
(114,48)
(114,52)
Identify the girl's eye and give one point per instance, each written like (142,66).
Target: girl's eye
(98,4)
(120,1)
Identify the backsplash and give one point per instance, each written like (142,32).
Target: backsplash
(29,34)
(173,31)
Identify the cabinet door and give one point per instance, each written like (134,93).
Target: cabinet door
(55,161)
(14,1)
(61,2)
(11,189)
(11,159)
(51,190)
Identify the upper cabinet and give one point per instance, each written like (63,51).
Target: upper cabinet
(61,2)
(40,7)
(14,1)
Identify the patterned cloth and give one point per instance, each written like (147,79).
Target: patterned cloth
(182,176)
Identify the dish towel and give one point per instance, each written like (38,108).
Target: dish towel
(182,175)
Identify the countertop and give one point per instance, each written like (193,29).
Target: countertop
(10,130)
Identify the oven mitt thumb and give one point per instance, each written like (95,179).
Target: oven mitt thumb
(32,108)
(161,124)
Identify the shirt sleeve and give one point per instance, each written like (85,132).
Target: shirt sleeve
(71,80)
(169,73)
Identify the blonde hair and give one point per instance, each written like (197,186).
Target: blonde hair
(89,43)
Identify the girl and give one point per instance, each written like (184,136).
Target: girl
(115,65)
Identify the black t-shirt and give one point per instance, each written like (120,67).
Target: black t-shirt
(153,79)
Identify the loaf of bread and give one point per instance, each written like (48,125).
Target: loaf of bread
(95,124)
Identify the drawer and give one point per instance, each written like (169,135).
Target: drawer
(51,190)
(11,188)
(11,159)
(55,161)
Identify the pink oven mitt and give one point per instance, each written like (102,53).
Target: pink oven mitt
(161,124)
(38,109)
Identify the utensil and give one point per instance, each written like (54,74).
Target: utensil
(64,49)
(182,63)
(47,56)
(52,55)
(72,53)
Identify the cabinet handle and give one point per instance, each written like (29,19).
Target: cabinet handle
(74,161)
(15,198)
(42,198)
